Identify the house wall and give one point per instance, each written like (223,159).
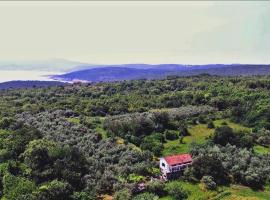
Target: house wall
(164,165)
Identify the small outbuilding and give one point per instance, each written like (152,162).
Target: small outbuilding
(174,165)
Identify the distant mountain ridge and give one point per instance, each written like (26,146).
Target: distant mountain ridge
(107,73)
(54,65)
(28,84)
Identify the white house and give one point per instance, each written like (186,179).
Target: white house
(173,166)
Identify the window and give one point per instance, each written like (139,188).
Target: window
(163,164)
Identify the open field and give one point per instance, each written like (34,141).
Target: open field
(198,134)
(233,192)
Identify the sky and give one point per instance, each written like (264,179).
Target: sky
(136,32)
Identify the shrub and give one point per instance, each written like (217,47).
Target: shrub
(171,135)
(210,124)
(223,135)
(183,131)
(123,194)
(224,123)
(135,178)
(146,196)
(262,137)
(5,122)
(54,190)
(202,119)
(157,187)
(153,143)
(176,191)
(17,187)
(208,183)
(83,196)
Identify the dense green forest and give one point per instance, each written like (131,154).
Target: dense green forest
(100,141)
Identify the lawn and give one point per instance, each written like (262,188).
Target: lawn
(74,120)
(234,126)
(198,133)
(234,192)
(195,193)
(239,192)
(261,149)
(99,127)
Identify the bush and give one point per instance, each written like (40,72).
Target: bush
(123,194)
(17,187)
(223,135)
(208,164)
(183,131)
(83,196)
(208,183)
(176,191)
(5,122)
(146,196)
(171,135)
(202,119)
(224,123)
(134,178)
(262,137)
(157,187)
(153,143)
(54,190)
(210,124)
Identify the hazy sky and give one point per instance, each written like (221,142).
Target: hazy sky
(136,32)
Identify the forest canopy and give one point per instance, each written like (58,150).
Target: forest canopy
(83,141)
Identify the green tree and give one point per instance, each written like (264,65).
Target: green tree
(16,187)
(48,160)
(210,124)
(223,135)
(123,194)
(54,190)
(208,183)
(146,196)
(176,191)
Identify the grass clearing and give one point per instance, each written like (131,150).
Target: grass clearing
(240,192)
(99,128)
(233,192)
(195,192)
(73,120)
(234,126)
(261,149)
(198,133)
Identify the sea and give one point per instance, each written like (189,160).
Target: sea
(25,75)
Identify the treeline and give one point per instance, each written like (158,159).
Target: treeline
(244,99)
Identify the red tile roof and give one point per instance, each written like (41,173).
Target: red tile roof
(178,159)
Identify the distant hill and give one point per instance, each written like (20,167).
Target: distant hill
(53,65)
(143,71)
(29,84)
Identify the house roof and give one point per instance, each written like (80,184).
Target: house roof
(178,159)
